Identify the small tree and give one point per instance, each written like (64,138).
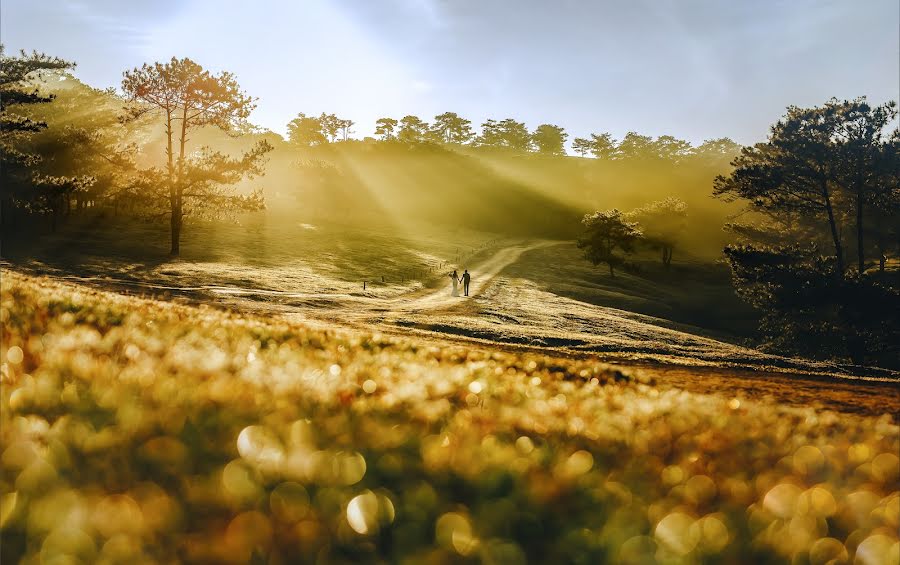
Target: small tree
(331,125)
(344,127)
(385,128)
(306,131)
(451,128)
(581,146)
(549,139)
(412,129)
(636,146)
(188,97)
(514,134)
(669,148)
(662,224)
(603,146)
(721,150)
(609,236)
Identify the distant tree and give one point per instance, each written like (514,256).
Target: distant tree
(305,131)
(581,146)
(505,133)
(603,146)
(669,148)
(549,139)
(721,149)
(385,128)
(451,128)
(491,135)
(412,129)
(636,146)
(344,127)
(331,125)
(188,97)
(20,185)
(609,236)
(662,224)
(461,132)
(514,134)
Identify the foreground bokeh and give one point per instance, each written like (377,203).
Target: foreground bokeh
(137,431)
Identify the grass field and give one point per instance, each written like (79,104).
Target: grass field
(137,431)
(532,293)
(255,253)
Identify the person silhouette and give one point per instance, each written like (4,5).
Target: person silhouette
(454,280)
(465,280)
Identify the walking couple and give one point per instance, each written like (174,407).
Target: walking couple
(464,279)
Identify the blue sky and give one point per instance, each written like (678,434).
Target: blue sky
(690,68)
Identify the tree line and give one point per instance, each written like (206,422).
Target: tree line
(549,139)
(140,150)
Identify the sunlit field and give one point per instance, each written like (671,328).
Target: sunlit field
(255,257)
(430,282)
(141,431)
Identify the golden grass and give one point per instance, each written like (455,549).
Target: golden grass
(138,431)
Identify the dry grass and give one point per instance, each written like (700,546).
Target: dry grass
(138,431)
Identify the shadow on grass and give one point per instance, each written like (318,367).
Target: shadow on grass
(698,295)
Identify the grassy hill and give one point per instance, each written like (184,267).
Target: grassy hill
(490,189)
(141,431)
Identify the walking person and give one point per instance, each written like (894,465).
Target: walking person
(454,279)
(465,280)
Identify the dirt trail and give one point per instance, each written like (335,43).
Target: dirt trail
(483,274)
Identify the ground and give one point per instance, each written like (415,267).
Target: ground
(145,431)
(272,411)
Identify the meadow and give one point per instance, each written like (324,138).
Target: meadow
(533,293)
(142,431)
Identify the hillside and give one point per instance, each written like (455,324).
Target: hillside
(144,431)
(489,189)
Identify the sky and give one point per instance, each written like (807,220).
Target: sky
(695,69)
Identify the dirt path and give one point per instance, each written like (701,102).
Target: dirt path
(483,275)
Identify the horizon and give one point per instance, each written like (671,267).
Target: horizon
(708,72)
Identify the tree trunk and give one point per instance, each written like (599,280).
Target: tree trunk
(860,248)
(611,273)
(835,236)
(175,224)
